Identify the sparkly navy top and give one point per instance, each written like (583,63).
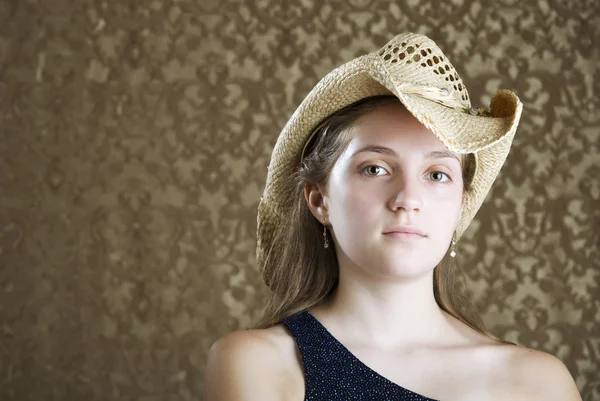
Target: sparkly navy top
(332,372)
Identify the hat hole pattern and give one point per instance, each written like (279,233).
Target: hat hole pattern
(407,53)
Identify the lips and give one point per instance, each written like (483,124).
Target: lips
(405,230)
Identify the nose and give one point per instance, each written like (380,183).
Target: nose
(408,196)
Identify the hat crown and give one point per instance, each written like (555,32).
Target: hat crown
(416,64)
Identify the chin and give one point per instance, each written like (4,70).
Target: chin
(405,268)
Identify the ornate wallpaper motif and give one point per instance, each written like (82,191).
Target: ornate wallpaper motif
(134,142)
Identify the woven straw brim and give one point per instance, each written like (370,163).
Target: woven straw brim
(488,138)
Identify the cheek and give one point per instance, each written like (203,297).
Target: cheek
(444,210)
(353,206)
(361,199)
(448,200)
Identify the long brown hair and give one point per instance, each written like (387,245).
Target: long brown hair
(303,274)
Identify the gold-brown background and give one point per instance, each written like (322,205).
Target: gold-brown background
(134,142)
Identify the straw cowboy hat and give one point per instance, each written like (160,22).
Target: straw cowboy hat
(413,68)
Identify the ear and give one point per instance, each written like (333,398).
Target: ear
(317,201)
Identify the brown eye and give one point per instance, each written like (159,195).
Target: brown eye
(373,170)
(438,176)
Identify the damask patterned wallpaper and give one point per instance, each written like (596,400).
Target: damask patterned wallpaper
(134,143)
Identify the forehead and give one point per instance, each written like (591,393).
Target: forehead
(395,127)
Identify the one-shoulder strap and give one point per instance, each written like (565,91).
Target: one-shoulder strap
(332,372)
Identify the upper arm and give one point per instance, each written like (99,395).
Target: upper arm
(240,366)
(549,377)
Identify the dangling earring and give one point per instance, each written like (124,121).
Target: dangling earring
(325,241)
(453,246)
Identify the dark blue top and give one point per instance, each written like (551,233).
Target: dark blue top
(332,372)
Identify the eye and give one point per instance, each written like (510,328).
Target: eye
(373,169)
(438,176)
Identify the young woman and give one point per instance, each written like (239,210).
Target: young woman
(371,184)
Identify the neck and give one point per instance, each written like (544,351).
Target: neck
(384,312)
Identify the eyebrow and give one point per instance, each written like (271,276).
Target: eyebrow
(436,154)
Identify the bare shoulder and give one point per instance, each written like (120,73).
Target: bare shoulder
(540,375)
(251,364)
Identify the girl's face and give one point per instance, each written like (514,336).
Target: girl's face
(394,174)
